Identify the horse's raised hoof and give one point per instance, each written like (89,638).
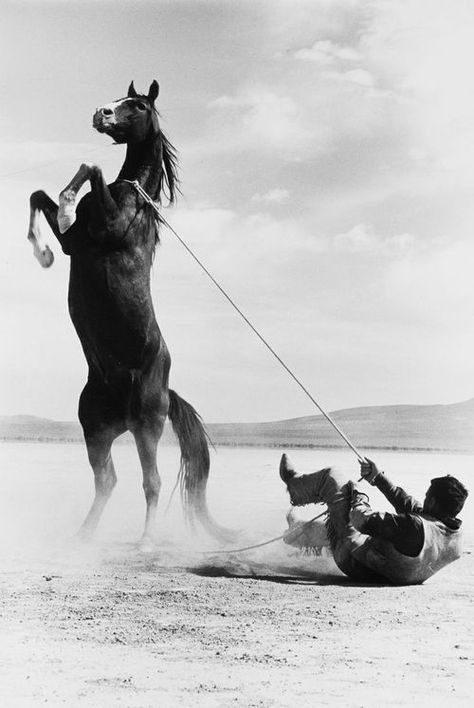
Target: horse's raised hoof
(45,256)
(287,471)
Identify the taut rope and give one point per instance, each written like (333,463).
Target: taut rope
(154,206)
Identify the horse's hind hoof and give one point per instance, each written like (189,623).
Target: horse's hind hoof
(82,538)
(146,545)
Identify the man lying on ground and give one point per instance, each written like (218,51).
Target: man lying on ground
(404,548)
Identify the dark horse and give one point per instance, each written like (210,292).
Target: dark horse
(111,240)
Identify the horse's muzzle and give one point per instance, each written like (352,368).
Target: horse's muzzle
(101,123)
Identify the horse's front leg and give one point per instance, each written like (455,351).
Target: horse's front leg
(68,196)
(99,190)
(40,202)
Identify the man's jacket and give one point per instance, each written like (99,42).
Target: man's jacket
(409,546)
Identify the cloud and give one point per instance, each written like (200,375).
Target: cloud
(327,183)
(29,155)
(425,58)
(307,101)
(49,162)
(277,195)
(327,53)
(360,301)
(435,289)
(363,239)
(257,117)
(360,76)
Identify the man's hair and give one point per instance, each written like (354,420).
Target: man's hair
(449,495)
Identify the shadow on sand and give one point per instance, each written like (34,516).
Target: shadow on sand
(279,568)
(277,573)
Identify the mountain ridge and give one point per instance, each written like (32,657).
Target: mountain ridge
(447,427)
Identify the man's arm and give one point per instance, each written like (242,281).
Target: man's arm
(398,498)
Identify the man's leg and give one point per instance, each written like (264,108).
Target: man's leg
(332,488)
(327,485)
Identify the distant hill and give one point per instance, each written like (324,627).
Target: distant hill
(33,428)
(407,427)
(410,427)
(30,427)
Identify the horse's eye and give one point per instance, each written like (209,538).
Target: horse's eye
(141,106)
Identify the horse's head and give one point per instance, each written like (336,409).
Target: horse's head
(130,119)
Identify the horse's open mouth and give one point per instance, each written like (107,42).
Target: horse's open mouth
(110,129)
(101,124)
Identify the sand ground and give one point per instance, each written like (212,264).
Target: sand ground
(106,625)
(113,626)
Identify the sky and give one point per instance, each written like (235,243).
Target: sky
(326,158)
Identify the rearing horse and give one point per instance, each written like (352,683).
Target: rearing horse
(111,239)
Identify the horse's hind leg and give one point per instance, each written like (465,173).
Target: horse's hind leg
(102,421)
(146,438)
(105,479)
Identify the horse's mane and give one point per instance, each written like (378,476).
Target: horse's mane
(169,180)
(169,175)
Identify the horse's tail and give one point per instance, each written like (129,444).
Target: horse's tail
(195,462)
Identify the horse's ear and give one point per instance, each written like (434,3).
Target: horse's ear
(153,92)
(131,91)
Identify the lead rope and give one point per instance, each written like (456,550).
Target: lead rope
(161,219)
(266,543)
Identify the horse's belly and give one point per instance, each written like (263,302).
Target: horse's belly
(112,312)
(116,341)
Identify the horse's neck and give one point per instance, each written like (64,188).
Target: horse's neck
(143,163)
